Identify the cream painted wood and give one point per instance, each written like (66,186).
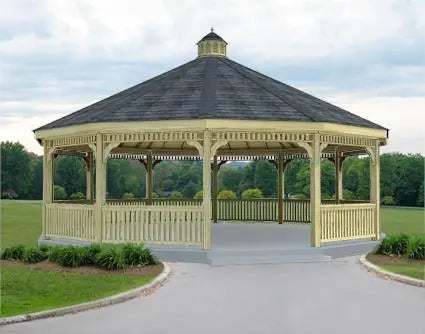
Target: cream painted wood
(47,184)
(89,176)
(70,221)
(206,187)
(149,178)
(315,191)
(280,188)
(375,184)
(180,225)
(347,222)
(100,186)
(86,133)
(215,189)
(338,176)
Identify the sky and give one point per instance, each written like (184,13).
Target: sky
(367,57)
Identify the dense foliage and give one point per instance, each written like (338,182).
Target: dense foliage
(412,246)
(106,256)
(402,177)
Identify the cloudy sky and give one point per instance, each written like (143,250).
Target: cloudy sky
(365,56)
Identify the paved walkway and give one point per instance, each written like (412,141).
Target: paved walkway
(329,297)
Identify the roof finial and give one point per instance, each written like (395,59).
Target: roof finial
(212,28)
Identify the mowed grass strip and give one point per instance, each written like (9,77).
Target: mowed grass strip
(403,220)
(27,290)
(414,270)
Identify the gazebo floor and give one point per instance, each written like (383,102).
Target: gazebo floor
(255,243)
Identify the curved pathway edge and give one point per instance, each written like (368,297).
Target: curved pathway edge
(115,299)
(389,275)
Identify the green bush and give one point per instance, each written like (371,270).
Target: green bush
(227,194)
(128,195)
(387,200)
(53,253)
(393,245)
(252,193)
(199,195)
(59,193)
(71,256)
(176,194)
(111,258)
(90,253)
(34,255)
(136,255)
(77,196)
(416,247)
(13,253)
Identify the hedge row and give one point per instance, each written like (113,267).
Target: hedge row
(110,257)
(412,246)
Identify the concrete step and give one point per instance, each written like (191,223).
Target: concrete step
(223,258)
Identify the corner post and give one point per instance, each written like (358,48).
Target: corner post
(47,184)
(206,183)
(375,185)
(100,185)
(280,187)
(215,189)
(149,178)
(315,191)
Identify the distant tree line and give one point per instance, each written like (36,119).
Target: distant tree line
(402,178)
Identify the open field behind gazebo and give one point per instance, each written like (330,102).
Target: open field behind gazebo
(21,221)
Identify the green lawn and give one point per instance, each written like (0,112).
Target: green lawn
(25,290)
(415,270)
(396,220)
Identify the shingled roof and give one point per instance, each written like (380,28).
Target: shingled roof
(211,88)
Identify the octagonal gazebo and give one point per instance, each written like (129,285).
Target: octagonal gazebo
(215,110)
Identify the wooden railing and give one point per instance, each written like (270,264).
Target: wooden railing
(153,224)
(347,221)
(247,209)
(70,221)
(296,210)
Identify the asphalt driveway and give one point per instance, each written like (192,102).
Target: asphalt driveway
(327,297)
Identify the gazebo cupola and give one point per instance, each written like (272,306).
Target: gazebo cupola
(212,45)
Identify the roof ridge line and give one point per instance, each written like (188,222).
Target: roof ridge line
(267,90)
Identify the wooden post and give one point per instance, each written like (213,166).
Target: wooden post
(206,183)
(280,188)
(315,191)
(100,186)
(375,185)
(149,178)
(47,184)
(215,189)
(338,177)
(89,177)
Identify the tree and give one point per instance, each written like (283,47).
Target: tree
(227,194)
(189,190)
(15,169)
(127,195)
(176,194)
(420,201)
(387,200)
(252,193)
(59,193)
(77,196)
(70,173)
(265,178)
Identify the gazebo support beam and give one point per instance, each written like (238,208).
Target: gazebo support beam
(374,184)
(281,169)
(100,186)
(206,184)
(89,176)
(215,189)
(315,191)
(48,196)
(149,178)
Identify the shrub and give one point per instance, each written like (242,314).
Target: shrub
(155,195)
(127,195)
(77,196)
(199,195)
(252,193)
(136,255)
(393,245)
(176,194)
(54,253)
(33,255)
(71,256)
(59,193)
(111,258)
(13,253)
(90,253)
(227,194)
(387,200)
(416,247)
